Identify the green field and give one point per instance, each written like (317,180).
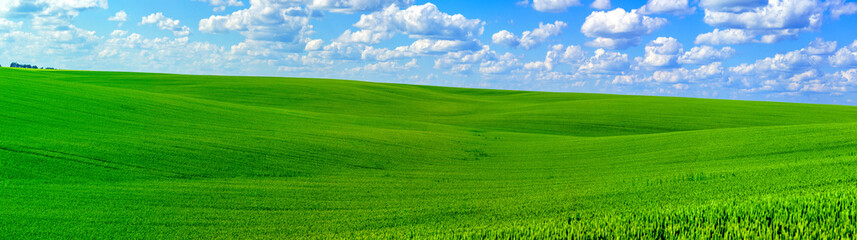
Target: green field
(104,155)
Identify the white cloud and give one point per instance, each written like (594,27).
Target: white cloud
(9,25)
(845,57)
(683,75)
(120,17)
(558,54)
(821,47)
(314,45)
(529,39)
(794,71)
(676,7)
(846,77)
(500,65)
(840,7)
(788,62)
(48,15)
(383,54)
(725,37)
(165,23)
(486,61)
(705,54)
(672,76)
(351,6)
(340,51)
(506,38)
(613,43)
(282,24)
(770,21)
(118,33)
(364,36)
(387,67)
(662,52)
(778,14)
(421,21)
(220,5)
(432,46)
(626,79)
(732,5)
(619,29)
(601,4)
(605,62)
(166,55)
(49,32)
(554,6)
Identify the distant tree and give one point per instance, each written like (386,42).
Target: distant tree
(18,65)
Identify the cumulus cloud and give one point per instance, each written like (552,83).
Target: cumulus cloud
(364,36)
(485,60)
(840,7)
(558,54)
(6,24)
(601,4)
(351,6)
(732,5)
(529,39)
(821,47)
(845,57)
(120,17)
(165,23)
(220,5)
(676,7)
(618,29)
(50,30)
(705,54)
(387,67)
(314,44)
(434,46)
(788,62)
(767,21)
(778,14)
(606,62)
(500,65)
(725,37)
(796,71)
(384,54)
(683,75)
(48,15)
(166,54)
(554,6)
(662,52)
(421,21)
(283,24)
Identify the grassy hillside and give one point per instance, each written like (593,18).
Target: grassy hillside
(101,155)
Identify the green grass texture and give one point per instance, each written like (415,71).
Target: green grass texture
(110,155)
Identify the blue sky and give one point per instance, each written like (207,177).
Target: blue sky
(777,50)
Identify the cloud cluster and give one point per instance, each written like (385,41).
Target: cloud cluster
(220,5)
(529,39)
(120,17)
(165,23)
(283,25)
(421,21)
(662,52)
(763,21)
(619,29)
(552,6)
(676,7)
(352,6)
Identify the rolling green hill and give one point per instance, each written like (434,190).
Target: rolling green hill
(105,155)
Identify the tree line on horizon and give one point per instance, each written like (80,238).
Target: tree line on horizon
(18,65)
